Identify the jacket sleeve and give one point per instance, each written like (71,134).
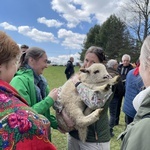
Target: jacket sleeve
(90,97)
(139,133)
(28,93)
(42,107)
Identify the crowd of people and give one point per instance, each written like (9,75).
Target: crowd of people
(25,99)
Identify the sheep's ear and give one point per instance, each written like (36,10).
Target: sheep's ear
(84,70)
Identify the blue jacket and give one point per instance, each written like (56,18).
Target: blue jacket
(133,86)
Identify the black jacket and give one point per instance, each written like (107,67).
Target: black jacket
(69,71)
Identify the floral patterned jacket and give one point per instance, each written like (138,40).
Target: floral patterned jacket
(21,127)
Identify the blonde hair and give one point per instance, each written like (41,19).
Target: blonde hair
(8,48)
(145,52)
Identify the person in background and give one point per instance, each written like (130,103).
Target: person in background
(134,84)
(123,70)
(32,86)
(69,71)
(137,134)
(21,128)
(112,66)
(24,48)
(98,136)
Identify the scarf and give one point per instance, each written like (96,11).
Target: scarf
(8,88)
(40,84)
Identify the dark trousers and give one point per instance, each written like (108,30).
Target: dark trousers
(68,76)
(119,104)
(113,111)
(128,119)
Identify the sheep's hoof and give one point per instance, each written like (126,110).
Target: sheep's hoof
(107,87)
(98,111)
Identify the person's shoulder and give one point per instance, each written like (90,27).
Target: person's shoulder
(131,72)
(120,65)
(143,124)
(130,66)
(69,62)
(24,73)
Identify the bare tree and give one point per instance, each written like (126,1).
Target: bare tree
(137,17)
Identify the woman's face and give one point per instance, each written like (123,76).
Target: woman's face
(39,65)
(8,70)
(90,59)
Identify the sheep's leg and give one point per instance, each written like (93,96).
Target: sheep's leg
(102,88)
(82,133)
(87,111)
(83,121)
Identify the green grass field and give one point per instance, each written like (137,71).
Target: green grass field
(56,77)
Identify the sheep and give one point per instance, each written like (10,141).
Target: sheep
(96,78)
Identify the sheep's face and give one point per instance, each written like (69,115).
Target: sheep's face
(96,73)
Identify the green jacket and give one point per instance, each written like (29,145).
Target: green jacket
(23,82)
(137,134)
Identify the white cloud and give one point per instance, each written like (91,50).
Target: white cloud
(8,26)
(50,22)
(70,13)
(37,35)
(62,59)
(77,11)
(71,40)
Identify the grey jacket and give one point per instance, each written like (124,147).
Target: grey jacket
(137,134)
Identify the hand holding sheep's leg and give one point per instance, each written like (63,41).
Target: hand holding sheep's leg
(84,121)
(67,119)
(82,133)
(103,88)
(88,111)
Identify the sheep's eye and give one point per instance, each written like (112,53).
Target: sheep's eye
(97,71)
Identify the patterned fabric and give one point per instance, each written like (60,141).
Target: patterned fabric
(20,127)
(93,99)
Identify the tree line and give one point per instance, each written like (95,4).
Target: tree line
(120,35)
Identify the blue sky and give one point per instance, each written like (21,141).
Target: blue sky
(57,26)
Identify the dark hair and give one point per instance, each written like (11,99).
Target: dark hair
(24,46)
(98,51)
(33,52)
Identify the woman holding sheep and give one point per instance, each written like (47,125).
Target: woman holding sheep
(98,136)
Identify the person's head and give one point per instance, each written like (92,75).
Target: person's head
(112,63)
(93,55)
(71,59)
(36,58)
(9,56)
(144,67)
(24,48)
(126,60)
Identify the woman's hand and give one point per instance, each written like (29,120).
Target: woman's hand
(53,94)
(67,119)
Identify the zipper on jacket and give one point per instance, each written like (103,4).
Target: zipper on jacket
(96,135)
